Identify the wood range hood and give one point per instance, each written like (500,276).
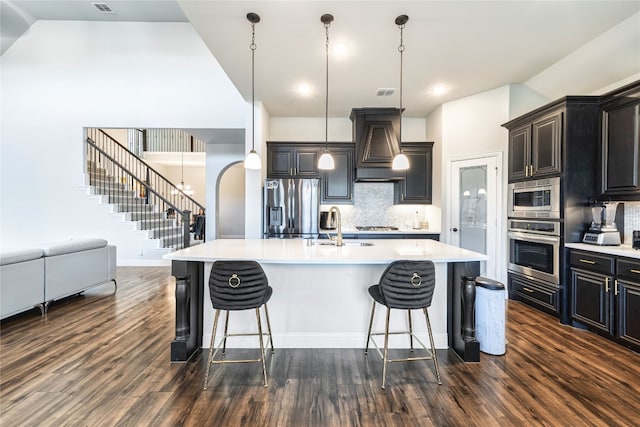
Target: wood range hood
(376,133)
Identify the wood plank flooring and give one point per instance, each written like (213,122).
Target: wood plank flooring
(102,359)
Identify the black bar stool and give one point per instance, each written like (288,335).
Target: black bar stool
(234,286)
(404,285)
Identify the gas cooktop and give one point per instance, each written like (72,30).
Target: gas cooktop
(376,228)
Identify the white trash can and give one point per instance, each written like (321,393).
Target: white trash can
(490,316)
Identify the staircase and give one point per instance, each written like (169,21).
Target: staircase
(139,193)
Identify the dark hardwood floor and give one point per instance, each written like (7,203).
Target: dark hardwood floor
(102,359)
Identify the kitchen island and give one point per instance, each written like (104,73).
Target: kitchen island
(320,297)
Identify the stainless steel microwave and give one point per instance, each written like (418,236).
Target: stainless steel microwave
(534,199)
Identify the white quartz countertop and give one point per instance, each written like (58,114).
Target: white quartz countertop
(400,231)
(297,251)
(622,250)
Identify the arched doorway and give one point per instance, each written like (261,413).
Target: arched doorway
(231,206)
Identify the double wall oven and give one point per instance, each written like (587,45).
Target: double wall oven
(535,242)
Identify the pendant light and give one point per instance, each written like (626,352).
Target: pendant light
(326,159)
(252,161)
(182,188)
(400,161)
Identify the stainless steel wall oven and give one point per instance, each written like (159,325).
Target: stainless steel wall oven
(534,249)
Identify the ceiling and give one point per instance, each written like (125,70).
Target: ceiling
(467,46)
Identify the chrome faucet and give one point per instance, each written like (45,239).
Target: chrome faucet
(338,225)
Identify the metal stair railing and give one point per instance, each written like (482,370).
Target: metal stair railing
(152,200)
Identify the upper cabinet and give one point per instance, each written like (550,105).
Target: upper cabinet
(621,145)
(557,139)
(337,184)
(416,186)
(535,148)
(286,160)
(300,160)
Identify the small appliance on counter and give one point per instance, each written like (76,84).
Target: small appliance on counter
(635,243)
(327,220)
(607,224)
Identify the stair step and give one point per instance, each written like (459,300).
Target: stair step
(169,241)
(138,208)
(114,191)
(140,216)
(130,199)
(164,224)
(106,185)
(166,233)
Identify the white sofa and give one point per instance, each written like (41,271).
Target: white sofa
(38,276)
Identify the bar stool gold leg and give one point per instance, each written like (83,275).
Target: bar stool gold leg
(373,310)
(210,358)
(410,331)
(264,368)
(433,347)
(266,312)
(226,327)
(386,349)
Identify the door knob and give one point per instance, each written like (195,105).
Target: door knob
(454,229)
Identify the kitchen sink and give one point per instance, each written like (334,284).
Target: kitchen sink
(344,243)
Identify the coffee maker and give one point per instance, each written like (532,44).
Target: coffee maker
(607,224)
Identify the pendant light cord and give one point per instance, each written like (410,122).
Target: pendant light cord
(253,47)
(401,50)
(326,98)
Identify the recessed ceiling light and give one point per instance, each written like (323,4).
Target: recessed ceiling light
(439,89)
(304,89)
(340,50)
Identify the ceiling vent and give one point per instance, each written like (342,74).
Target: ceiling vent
(103,7)
(385,91)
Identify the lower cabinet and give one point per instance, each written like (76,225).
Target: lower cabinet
(541,295)
(605,296)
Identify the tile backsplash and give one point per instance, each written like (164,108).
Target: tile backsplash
(631,220)
(373,205)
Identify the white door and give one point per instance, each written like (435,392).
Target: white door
(474,208)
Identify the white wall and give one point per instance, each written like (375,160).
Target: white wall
(340,129)
(611,57)
(63,76)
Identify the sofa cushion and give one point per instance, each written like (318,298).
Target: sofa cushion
(12,256)
(73,245)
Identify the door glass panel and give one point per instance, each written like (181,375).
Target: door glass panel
(473,208)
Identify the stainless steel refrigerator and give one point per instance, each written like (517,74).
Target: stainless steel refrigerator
(291,208)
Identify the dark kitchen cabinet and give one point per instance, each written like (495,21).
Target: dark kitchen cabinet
(627,290)
(606,296)
(591,299)
(535,148)
(416,186)
(562,139)
(286,160)
(533,292)
(621,145)
(337,184)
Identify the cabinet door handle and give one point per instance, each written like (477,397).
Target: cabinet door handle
(615,287)
(587,261)
(606,284)
(635,271)
(526,170)
(528,290)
